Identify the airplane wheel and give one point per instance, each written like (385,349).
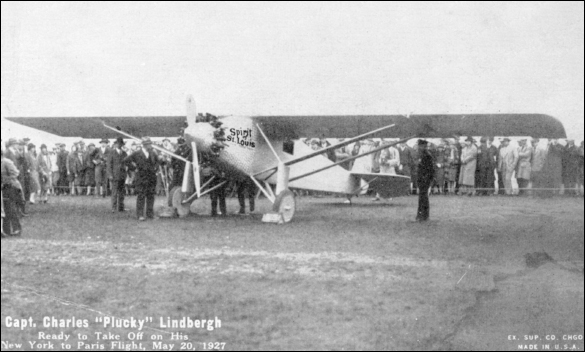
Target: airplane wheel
(176,198)
(286,205)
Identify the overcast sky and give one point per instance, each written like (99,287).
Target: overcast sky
(97,59)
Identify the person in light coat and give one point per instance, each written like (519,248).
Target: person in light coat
(389,159)
(524,167)
(468,168)
(507,164)
(538,176)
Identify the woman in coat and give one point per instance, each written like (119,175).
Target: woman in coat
(468,167)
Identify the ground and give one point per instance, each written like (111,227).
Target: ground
(485,274)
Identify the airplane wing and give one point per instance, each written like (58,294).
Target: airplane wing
(93,127)
(424,126)
(295,127)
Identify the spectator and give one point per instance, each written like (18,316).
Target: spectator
(468,167)
(507,164)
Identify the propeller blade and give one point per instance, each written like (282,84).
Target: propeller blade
(196,173)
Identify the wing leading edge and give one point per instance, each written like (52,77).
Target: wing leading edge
(295,127)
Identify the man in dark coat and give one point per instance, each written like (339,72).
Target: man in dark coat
(486,164)
(100,159)
(63,183)
(146,164)
(116,172)
(406,161)
(425,176)
(571,167)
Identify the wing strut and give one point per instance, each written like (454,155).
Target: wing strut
(351,159)
(323,151)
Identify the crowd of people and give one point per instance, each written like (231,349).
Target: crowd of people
(475,167)
(470,167)
(117,170)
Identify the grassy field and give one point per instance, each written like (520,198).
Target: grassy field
(338,278)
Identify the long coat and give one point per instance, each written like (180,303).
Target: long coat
(33,163)
(364,164)
(115,167)
(406,160)
(508,161)
(468,166)
(524,168)
(146,170)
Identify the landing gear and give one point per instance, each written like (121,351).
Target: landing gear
(285,205)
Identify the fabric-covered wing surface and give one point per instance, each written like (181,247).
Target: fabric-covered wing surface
(295,127)
(92,127)
(430,126)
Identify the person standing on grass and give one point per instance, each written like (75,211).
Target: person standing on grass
(425,175)
(507,164)
(45,166)
(12,190)
(146,163)
(468,167)
(116,173)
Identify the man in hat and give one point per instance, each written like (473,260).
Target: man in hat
(571,167)
(63,183)
(45,167)
(100,158)
(146,163)
(90,166)
(501,186)
(116,173)
(486,164)
(11,198)
(507,164)
(468,168)
(524,168)
(425,175)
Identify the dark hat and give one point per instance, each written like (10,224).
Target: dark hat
(181,140)
(120,141)
(105,141)
(506,139)
(422,142)
(470,139)
(31,146)
(483,140)
(26,140)
(43,146)
(11,142)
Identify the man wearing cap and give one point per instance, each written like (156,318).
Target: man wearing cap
(425,175)
(486,164)
(45,167)
(468,167)
(507,164)
(116,173)
(100,158)
(146,163)
(12,190)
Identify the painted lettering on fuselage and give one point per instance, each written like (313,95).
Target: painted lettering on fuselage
(241,137)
